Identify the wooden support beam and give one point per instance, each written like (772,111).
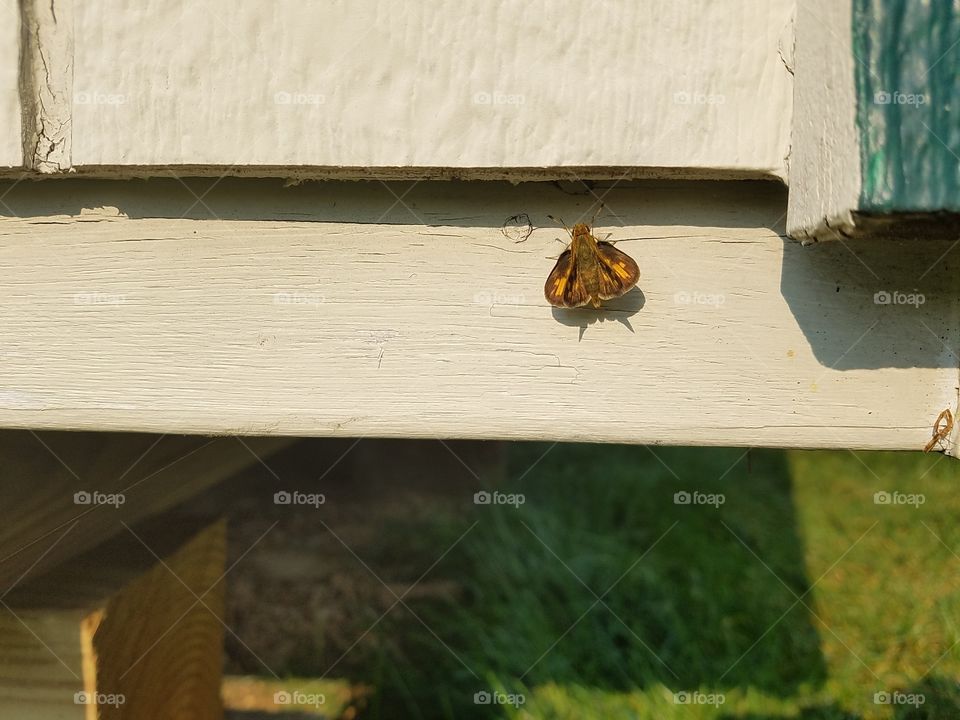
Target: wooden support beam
(332,309)
(875,147)
(64,493)
(116,633)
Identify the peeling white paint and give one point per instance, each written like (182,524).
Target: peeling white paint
(46,84)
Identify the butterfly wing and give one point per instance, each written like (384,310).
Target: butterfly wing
(618,271)
(564,287)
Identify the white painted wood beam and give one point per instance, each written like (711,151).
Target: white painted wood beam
(319,310)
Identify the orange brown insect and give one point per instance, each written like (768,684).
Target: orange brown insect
(589,272)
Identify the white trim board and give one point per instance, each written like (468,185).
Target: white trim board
(330,314)
(825,148)
(11,149)
(696,89)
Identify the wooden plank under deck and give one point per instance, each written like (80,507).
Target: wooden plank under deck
(335,309)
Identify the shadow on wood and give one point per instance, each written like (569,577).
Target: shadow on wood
(619,310)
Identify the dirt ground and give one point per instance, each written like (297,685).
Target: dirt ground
(307,581)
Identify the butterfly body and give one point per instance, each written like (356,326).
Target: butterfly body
(589,272)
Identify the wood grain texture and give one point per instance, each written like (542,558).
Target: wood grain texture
(122,626)
(10,138)
(697,86)
(41,522)
(338,311)
(159,647)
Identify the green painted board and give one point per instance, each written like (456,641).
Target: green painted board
(908,104)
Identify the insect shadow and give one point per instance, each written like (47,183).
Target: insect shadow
(621,310)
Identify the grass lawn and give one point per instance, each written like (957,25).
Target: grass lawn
(797,596)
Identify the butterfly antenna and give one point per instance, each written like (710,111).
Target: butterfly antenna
(600,209)
(562,224)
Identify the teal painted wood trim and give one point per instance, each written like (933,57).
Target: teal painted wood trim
(908,103)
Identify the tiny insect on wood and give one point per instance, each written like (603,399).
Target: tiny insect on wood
(941,430)
(589,271)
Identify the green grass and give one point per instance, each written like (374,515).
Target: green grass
(695,598)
